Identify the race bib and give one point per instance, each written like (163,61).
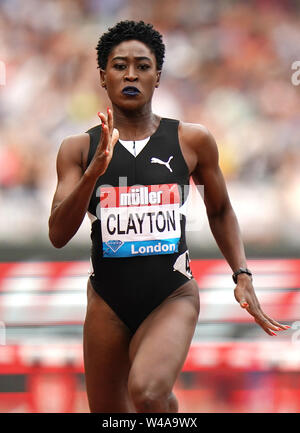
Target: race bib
(140,220)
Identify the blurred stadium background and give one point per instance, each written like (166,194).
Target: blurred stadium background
(228,66)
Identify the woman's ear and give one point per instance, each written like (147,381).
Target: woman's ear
(158,78)
(103,78)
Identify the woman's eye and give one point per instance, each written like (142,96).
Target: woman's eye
(144,67)
(119,66)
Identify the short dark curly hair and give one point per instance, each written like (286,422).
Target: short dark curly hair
(128,30)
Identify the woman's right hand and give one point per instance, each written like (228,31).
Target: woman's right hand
(109,137)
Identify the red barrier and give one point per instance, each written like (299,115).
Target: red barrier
(53,293)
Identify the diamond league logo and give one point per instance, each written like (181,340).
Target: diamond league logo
(114,245)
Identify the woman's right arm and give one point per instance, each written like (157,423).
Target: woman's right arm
(74,188)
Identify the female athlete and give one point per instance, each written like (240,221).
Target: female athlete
(129,174)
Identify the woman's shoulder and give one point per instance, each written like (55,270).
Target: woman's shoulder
(75,143)
(195,134)
(75,148)
(194,130)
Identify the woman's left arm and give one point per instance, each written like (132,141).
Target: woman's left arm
(225,227)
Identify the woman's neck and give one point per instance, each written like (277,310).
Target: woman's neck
(135,125)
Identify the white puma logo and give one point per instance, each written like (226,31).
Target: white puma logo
(159,161)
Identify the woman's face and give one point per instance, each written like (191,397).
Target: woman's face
(130,76)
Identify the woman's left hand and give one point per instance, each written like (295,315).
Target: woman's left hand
(245,295)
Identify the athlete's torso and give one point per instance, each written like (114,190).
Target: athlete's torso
(162,145)
(139,254)
(159,177)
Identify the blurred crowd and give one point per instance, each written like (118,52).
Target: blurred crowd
(228,66)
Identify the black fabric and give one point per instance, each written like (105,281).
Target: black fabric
(134,286)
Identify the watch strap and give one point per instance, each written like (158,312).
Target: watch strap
(241,271)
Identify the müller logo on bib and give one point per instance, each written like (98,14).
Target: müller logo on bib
(140,220)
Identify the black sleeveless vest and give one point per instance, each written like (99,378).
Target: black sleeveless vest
(160,162)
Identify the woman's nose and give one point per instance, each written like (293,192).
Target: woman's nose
(131,74)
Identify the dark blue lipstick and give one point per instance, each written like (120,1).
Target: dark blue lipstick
(130,91)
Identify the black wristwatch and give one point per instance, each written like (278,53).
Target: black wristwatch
(241,271)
